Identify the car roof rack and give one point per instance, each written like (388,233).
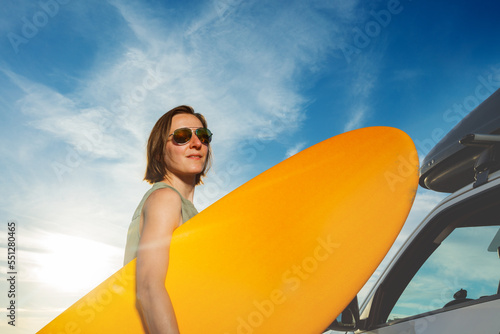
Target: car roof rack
(489,158)
(468,153)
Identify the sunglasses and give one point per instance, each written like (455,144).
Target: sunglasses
(182,136)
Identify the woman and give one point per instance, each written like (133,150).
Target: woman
(178,156)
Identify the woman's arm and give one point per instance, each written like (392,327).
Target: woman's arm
(161,215)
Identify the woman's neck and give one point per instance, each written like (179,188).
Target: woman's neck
(185,186)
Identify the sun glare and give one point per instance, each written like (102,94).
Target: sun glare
(75,264)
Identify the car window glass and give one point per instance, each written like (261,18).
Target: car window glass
(461,266)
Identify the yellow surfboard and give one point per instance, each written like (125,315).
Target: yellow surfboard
(283,253)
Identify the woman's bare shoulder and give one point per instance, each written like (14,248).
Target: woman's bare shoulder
(163,197)
(163,203)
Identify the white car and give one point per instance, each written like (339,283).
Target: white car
(446,277)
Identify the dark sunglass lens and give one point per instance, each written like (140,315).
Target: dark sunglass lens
(204,135)
(182,136)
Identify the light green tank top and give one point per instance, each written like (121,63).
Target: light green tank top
(187,211)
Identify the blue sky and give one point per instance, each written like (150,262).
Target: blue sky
(84,81)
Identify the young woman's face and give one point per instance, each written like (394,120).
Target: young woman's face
(188,159)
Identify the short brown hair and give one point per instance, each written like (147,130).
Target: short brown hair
(156,169)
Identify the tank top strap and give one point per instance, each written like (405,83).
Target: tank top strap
(188,209)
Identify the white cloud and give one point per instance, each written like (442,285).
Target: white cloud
(79,159)
(356,120)
(359,90)
(295,149)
